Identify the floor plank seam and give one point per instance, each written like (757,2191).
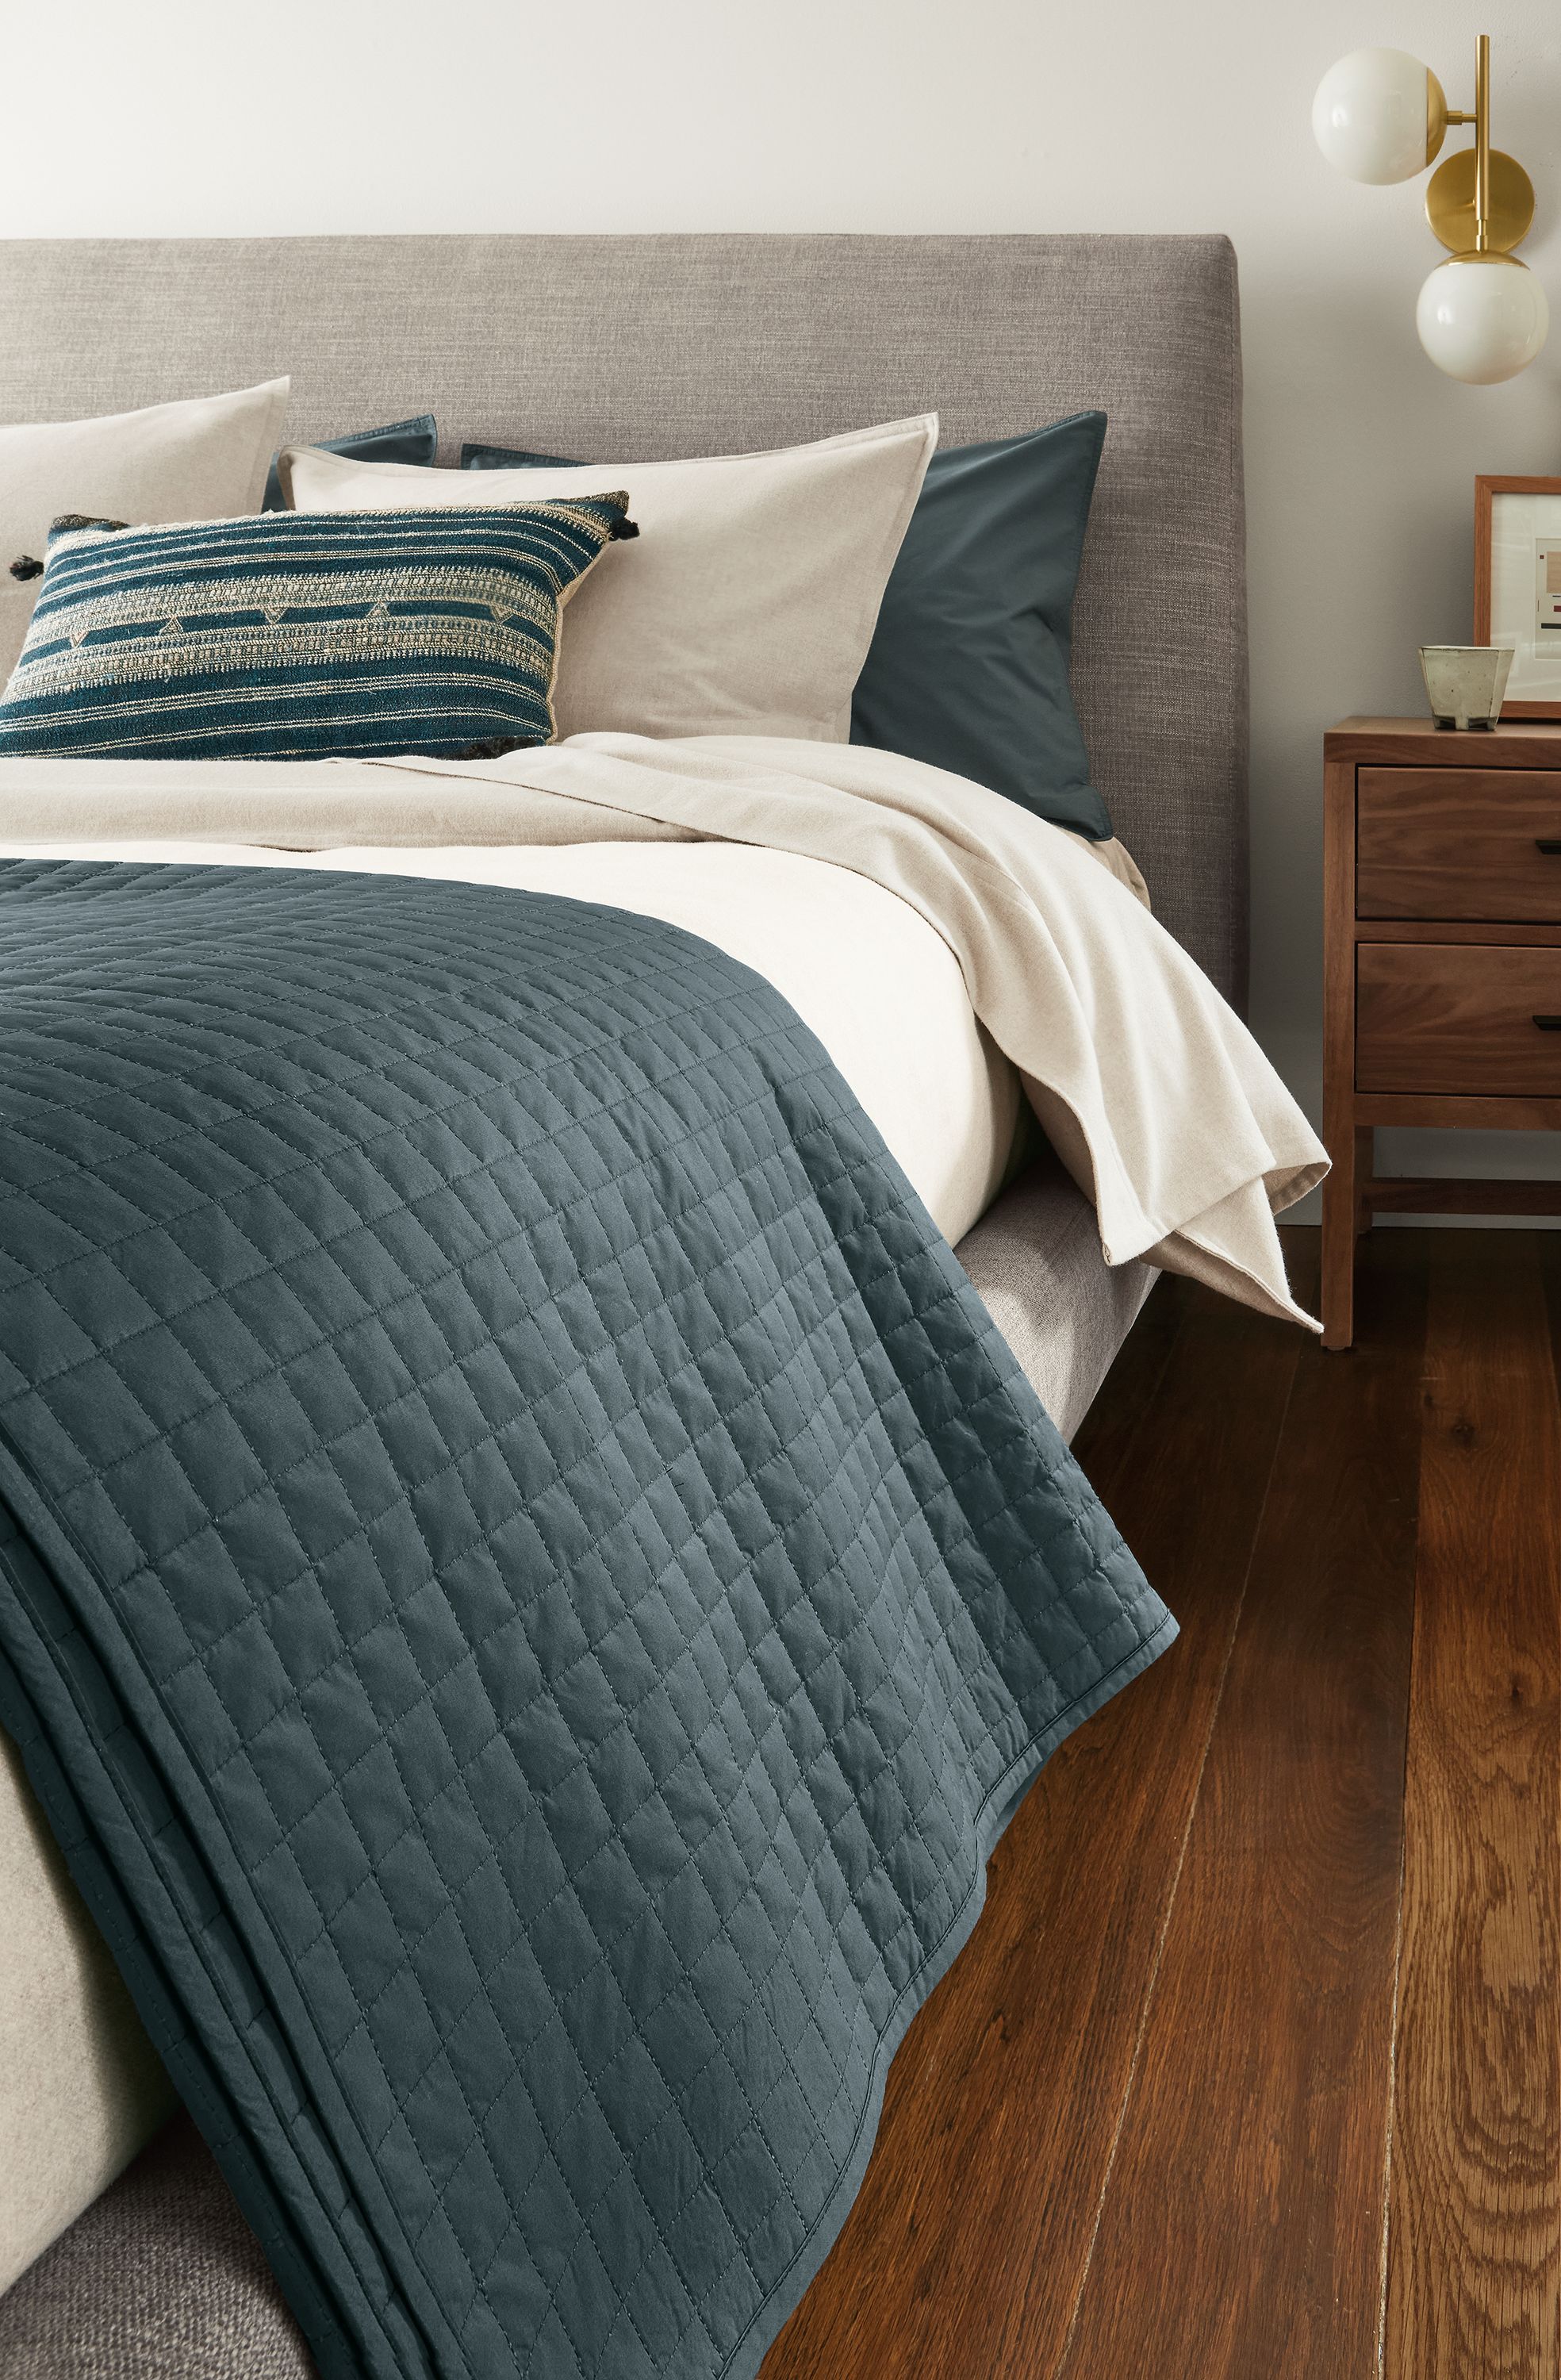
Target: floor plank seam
(1474,2210)
(1087,2262)
(1384,2236)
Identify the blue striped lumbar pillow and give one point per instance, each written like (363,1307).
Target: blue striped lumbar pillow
(290,636)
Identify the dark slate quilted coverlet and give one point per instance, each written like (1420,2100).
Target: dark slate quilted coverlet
(528,1584)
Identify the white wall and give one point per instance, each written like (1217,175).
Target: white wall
(190,116)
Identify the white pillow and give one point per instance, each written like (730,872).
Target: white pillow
(203,458)
(746,606)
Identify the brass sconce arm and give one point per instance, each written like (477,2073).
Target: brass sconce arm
(1479,201)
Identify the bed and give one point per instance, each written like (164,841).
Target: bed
(674,345)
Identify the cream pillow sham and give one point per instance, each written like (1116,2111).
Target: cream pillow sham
(200,458)
(746,605)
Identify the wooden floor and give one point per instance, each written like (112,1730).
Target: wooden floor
(1252,2066)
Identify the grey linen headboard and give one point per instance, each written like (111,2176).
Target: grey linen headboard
(684,344)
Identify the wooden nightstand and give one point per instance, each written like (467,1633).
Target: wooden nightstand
(1442,963)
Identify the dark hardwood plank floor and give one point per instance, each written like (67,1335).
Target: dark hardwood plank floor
(989,2077)
(1475,2237)
(1288,1906)
(1253,2068)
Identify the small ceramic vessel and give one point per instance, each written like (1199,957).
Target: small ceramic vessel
(1464,684)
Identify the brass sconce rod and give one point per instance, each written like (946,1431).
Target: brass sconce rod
(1482,145)
(1480,202)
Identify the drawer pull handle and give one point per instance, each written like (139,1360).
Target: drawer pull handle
(1549,846)
(1548,1024)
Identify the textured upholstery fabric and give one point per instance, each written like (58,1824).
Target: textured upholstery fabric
(690,344)
(529,1585)
(286,636)
(1034,1258)
(82,2086)
(161,2279)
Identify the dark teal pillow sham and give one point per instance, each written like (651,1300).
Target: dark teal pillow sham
(968,666)
(299,635)
(506,458)
(415,441)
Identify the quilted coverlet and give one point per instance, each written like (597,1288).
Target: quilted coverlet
(529,1585)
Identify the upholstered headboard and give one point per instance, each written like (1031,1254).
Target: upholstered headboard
(690,344)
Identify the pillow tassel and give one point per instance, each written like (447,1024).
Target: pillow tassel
(68,521)
(493,748)
(26,565)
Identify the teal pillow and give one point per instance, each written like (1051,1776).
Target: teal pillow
(504,458)
(968,666)
(296,636)
(415,441)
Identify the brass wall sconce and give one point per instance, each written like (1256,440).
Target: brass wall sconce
(1380,116)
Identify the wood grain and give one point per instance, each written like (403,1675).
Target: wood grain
(1365,1178)
(1242,2233)
(1530,930)
(964,2254)
(1340,1135)
(1367,742)
(1445,1195)
(1486,485)
(1475,2240)
(1481,625)
(1150,2123)
(1459,842)
(1478,1114)
(1457,1017)
(1419,823)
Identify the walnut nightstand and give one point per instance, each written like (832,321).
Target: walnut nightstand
(1442,963)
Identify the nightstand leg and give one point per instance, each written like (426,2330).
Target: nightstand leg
(1365,1173)
(1348,1147)
(1339,1208)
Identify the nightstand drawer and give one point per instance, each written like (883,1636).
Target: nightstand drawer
(1459,842)
(1458,1018)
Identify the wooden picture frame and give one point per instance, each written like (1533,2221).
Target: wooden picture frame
(1488,488)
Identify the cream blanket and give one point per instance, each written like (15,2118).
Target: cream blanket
(1160,1103)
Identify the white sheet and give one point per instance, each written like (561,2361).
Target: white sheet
(881,989)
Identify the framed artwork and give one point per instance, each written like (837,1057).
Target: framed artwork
(1517,588)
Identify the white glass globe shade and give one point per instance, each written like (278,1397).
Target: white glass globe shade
(1372,113)
(1482,318)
